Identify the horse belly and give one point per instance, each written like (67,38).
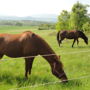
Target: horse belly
(14,53)
(29,49)
(70,36)
(13,50)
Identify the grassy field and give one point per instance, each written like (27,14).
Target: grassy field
(76,65)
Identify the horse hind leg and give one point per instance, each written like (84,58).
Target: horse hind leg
(28,66)
(60,41)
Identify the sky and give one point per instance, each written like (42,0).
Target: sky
(33,7)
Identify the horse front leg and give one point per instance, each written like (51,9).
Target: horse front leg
(73,42)
(28,66)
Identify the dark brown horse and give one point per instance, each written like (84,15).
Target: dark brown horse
(30,44)
(73,34)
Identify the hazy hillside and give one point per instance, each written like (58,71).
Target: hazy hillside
(42,17)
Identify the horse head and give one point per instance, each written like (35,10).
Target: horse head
(86,40)
(83,36)
(57,70)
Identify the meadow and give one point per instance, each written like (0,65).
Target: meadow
(76,63)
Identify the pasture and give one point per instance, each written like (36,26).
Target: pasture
(76,63)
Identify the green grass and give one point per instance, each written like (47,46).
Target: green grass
(76,65)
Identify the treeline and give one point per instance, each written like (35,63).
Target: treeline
(23,23)
(47,26)
(77,19)
(40,25)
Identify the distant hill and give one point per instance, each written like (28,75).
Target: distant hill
(41,17)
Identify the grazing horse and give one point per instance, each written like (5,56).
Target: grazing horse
(30,44)
(73,34)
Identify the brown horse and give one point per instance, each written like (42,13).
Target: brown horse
(30,44)
(73,34)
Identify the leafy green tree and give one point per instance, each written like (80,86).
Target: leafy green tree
(63,20)
(78,16)
(19,24)
(75,19)
(86,26)
(46,26)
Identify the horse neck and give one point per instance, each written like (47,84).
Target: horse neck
(47,52)
(82,35)
(49,55)
(54,61)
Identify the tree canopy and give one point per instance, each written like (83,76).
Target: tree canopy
(74,19)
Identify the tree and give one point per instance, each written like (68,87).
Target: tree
(19,24)
(63,20)
(86,26)
(46,26)
(78,16)
(75,19)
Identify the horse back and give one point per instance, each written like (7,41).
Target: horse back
(16,45)
(24,44)
(72,34)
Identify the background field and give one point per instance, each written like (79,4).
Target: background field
(76,65)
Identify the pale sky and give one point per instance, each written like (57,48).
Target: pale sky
(32,7)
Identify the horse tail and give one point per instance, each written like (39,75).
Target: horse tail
(58,36)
